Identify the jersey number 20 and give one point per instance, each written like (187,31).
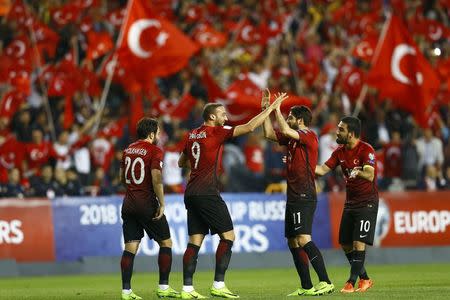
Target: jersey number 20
(128,163)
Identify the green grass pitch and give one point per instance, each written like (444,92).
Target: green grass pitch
(421,281)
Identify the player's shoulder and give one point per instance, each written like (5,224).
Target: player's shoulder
(308,132)
(339,149)
(366,146)
(222,128)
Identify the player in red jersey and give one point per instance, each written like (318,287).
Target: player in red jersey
(302,145)
(358,163)
(143,207)
(206,210)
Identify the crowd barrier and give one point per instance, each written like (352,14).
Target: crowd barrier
(68,229)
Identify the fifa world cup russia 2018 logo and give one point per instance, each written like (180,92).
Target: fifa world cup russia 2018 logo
(383,223)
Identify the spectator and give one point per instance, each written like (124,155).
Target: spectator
(38,153)
(13,188)
(43,185)
(254,154)
(430,152)
(172,174)
(392,167)
(273,160)
(73,187)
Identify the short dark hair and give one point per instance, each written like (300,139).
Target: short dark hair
(209,109)
(302,112)
(145,126)
(353,125)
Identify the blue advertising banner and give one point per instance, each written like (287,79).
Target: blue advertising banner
(92,226)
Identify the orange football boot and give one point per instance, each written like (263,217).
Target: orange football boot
(348,288)
(364,285)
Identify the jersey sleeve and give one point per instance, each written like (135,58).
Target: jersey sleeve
(282,140)
(224,133)
(368,157)
(157,159)
(333,161)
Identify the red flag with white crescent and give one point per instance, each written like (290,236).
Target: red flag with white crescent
(151,45)
(400,71)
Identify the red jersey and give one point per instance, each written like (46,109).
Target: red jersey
(360,192)
(138,160)
(392,160)
(204,147)
(301,164)
(38,155)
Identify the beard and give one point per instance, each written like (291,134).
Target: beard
(294,126)
(342,140)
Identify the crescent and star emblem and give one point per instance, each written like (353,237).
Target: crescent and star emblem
(401,51)
(134,36)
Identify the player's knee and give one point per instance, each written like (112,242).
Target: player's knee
(132,247)
(359,246)
(347,248)
(292,243)
(303,239)
(165,243)
(229,235)
(196,239)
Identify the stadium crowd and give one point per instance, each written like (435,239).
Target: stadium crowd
(54,142)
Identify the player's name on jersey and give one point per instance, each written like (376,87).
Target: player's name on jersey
(138,151)
(196,136)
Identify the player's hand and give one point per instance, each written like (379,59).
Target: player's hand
(354,173)
(284,158)
(265,100)
(280,97)
(159,213)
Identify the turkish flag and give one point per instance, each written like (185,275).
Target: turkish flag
(352,82)
(46,39)
(99,43)
(91,82)
(213,89)
(151,45)
(19,14)
(401,72)
(122,75)
(248,33)
(365,49)
(183,108)
(208,37)
(68,13)
(432,30)
(11,103)
(20,49)
(243,100)
(116,17)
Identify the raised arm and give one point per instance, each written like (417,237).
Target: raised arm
(284,127)
(322,170)
(159,191)
(258,119)
(269,133)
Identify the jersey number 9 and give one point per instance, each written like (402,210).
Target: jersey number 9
(196,153)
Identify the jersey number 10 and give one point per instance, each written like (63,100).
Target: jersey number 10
(133,164)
